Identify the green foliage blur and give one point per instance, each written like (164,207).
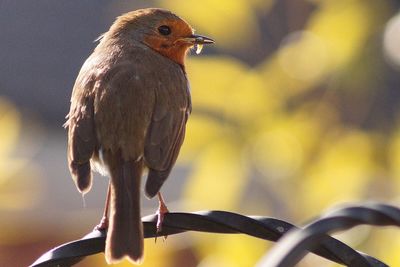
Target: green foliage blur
(295,110)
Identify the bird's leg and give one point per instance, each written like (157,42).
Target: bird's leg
(162,209)
(103,225)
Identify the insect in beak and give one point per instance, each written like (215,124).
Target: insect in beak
(198,41)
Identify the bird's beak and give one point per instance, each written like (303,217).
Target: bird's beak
(196,39)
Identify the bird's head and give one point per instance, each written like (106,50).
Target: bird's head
(160,30)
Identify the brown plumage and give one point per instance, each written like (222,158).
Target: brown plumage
(129,108)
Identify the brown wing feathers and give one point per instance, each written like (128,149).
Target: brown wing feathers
(166,132)
(157,176)
(82,140)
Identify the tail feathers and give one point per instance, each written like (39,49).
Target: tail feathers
(82,175)
(125,232)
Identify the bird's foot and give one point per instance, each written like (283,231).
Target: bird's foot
(161,211)
(103,225)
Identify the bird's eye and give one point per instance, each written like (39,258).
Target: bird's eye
(164,30)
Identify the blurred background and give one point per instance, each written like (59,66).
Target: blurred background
(295,110)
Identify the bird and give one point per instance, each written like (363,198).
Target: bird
(129,107)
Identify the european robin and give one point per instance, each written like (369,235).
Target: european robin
(128,113)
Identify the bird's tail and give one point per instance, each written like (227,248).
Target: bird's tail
(125,232)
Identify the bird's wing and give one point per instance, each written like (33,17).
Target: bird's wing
(81,133)
(167,128)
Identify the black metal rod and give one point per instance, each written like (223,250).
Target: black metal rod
(296,244)
(207,221)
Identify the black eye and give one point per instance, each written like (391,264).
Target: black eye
(164,30)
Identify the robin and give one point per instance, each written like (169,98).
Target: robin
(128,113)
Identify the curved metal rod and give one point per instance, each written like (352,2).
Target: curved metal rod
(296,244)
(207,221)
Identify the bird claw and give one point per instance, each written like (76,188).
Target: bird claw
(160,220)
(161,211)
(103,225)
